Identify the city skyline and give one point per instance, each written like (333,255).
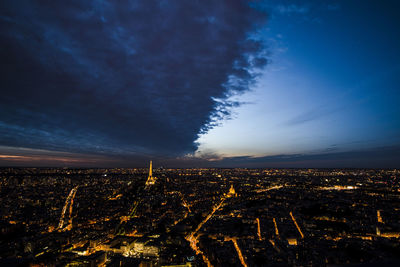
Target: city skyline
(199,217)
(200,84)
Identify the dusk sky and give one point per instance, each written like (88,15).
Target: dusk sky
(200,83)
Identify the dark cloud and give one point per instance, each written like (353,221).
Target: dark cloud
(138,77)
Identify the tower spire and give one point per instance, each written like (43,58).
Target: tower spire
(151,169)
(151,179)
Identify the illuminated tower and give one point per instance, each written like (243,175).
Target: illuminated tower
(379,217)
(231,192)
(151,179)
(151,170)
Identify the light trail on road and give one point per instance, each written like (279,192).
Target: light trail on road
(239,252)
(69,226)
(275,187)
(276,228)
(193,240)
(258,229)
(69,201)
(297,226)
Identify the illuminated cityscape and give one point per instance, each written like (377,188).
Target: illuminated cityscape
(224,133)
(199,217)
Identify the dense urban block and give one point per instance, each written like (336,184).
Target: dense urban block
(199,217)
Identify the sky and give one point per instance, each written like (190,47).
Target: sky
(200,83)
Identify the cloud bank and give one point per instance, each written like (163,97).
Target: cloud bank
(377,157)
(120,77)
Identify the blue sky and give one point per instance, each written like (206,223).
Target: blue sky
(332,83)
(227,83)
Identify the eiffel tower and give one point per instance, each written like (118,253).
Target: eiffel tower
(139,201)
(151,179)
